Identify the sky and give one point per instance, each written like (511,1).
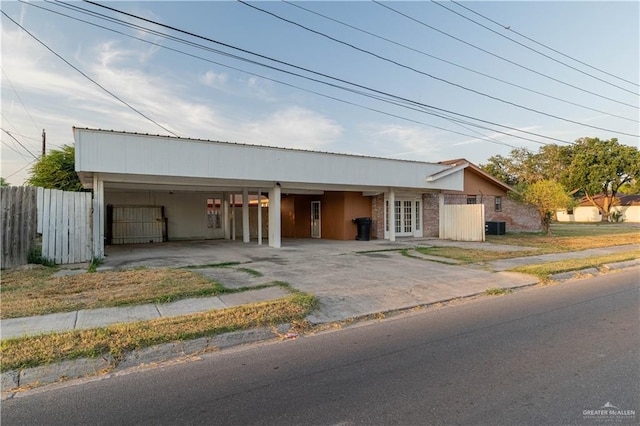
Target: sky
(411,80)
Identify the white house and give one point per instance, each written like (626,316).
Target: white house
(150,188)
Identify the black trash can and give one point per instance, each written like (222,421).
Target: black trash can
(364,228)
(495,228)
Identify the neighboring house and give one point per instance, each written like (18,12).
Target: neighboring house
(482,188)
(154,188)
(627,206)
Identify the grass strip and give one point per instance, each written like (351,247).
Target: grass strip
(116,340)
(472,255)
(37,292)
(545,270)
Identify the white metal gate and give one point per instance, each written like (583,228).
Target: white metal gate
(137,224)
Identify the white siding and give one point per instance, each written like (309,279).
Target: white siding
(126,153)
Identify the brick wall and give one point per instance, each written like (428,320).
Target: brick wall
(431,214)
(518,217)
(377,212)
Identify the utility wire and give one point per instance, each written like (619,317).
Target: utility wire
(89,78)
(19,143)
(455,121)
(534,50)
(501,57)
(508,28)
(20,169)
(460,86)
(20,99)
(315,72)
(456,64)
(16,151)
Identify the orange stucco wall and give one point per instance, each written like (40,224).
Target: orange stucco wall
(478,185)
(336,214)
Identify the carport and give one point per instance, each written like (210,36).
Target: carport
(206,189)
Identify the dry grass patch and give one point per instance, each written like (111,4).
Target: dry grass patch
(36,292)
(573,237)
(545,270)
(473,255)
(116,340)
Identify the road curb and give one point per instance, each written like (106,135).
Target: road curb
(15,380)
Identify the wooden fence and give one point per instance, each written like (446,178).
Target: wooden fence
(462,222)
(18,209)
(64,220)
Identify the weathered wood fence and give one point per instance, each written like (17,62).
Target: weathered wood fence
(462,222)
(64,220)
(18,209)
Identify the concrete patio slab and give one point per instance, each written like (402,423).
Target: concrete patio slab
(253,296)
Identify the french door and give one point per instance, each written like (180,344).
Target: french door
(408,217)
(315,219)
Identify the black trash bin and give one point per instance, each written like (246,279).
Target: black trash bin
(364,228)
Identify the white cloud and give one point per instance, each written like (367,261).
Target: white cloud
(213,79)
(406,142)
(294,127)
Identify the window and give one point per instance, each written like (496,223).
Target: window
(498,204)
(471,199)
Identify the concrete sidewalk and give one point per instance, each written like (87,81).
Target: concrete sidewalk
(350,279)
(90,318)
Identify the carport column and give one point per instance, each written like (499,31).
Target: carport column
(233,216)
(391,214)
(245,215)
(259,216)
(225,216)
(274,216)
(440,212)
(98,217)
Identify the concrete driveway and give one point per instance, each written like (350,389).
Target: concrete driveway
(350,278)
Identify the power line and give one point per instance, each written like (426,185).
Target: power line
(19,98)
(455,121)
(19,143)
(20,169)
(87,77)
(458,65)
(508,28)
(534,50)
(460,86)
(15,150)
(501,57)
(402,99)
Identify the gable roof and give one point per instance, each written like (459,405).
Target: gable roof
(478,171)
(619,200)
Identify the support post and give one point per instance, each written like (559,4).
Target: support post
(440,212)
(98,217)
(259,216)
(226,216)
(245,216)
(233,216)
(274,217)
(392,214)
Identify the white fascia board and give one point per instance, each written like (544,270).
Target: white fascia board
(99,151)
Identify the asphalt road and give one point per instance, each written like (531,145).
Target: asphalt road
(550,355)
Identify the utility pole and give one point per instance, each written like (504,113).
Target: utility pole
(44,143)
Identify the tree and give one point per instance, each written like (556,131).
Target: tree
(3,182)
(56,170)
(524,167)
(602,167)
(547,196)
